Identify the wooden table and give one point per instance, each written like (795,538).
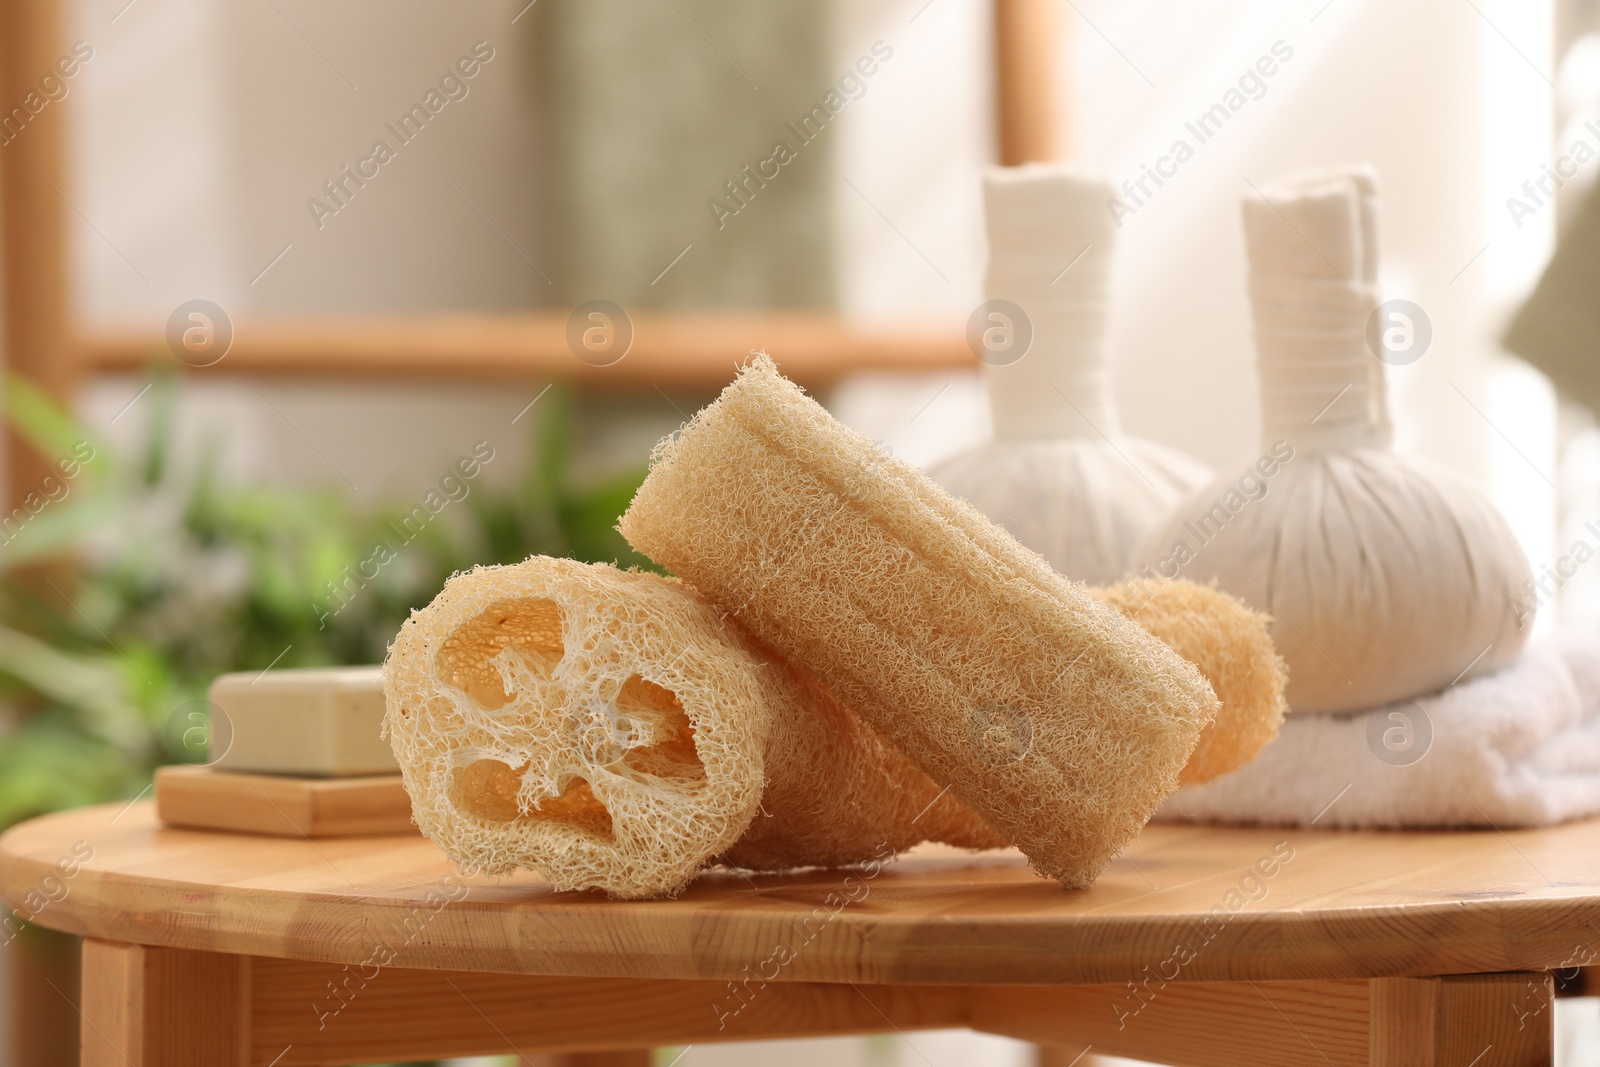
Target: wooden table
(1200,947)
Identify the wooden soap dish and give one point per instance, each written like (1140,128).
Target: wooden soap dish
(282,805)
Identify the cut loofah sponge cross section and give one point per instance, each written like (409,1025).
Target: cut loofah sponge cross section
(614,730)
(1057,720)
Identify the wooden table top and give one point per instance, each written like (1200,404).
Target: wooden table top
(1211,903)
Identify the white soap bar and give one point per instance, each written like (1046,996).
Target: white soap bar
(315,720)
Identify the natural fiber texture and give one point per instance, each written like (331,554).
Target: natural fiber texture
(1389,576)
(611,729)
(1057,720)
(1233,648)
(1059,475)
(837,793)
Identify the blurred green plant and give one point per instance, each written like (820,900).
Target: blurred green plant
(138,580)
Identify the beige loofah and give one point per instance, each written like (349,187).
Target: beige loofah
(1233,648)
(1060,722)
(612,729)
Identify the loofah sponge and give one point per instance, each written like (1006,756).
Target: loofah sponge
(1060,722)
(611,729)
(1060,475)
(1232,646)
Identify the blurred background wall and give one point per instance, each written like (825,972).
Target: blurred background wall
(195,171)
(194,174)
(199,132)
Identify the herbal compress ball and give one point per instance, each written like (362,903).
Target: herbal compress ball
(612,729)
(1387,577)
(1060,722)
(1060,475)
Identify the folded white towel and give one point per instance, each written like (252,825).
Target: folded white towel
(1520,747)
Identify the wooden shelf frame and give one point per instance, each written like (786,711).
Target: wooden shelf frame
(45,345)
(669,349)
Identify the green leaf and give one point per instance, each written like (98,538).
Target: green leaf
(47,765)
(37,418)
(181,575)
(56,530)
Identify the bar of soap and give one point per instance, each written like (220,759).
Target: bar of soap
(314,720)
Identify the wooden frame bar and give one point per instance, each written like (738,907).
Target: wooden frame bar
(254,1010)
(1026,34)
(680,349)
(147,1006)
(32,221)
(683,349)
(1191,1024)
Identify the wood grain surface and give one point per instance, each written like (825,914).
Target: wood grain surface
(1183,904)
(1482,1019)
(167,1007)
(397,1014)
(1199,1024)
(162,1007)
(283,805)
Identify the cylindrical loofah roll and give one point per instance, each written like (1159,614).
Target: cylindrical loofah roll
(1060,475)
(612,729)
(1059,721)
(1388,577)
(1233,648)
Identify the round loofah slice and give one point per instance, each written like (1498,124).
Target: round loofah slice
(1057,720)
(612,729)
(1232,646)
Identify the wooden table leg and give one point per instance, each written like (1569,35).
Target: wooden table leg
(163,1007)
(1507,1020)
(44,992)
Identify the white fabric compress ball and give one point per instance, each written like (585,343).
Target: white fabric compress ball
(1060,475)
(1387,577)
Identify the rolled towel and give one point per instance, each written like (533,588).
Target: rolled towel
(611,729)
(1059,721)
(1520,747)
